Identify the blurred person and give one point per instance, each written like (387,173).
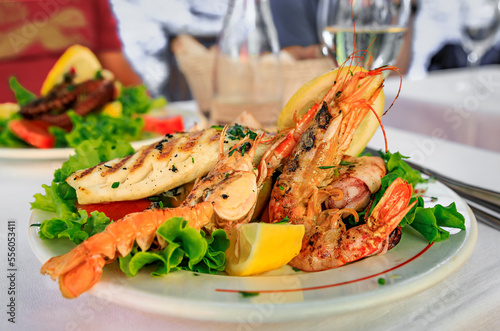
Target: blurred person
(36,33)
(437,42)
(295,22)
(147,28)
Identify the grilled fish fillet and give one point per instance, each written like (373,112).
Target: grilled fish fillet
(177,159)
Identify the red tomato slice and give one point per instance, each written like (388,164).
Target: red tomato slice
(35,133)
(118,209)
(163,125)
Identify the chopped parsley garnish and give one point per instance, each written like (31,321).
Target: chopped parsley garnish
(238,132)
(381,281)
(217,127)
(285,220)
(244,148)
(326,167)
(98,75)
(248,294)
(115,184)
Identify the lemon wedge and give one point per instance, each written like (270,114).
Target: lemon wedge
(8,108)
(78,57)
(313,92)
(113,109)
(259,247)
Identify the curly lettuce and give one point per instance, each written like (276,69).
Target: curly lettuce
(22,94)
(429,222)
(60,198)
(136,100)
(187,249)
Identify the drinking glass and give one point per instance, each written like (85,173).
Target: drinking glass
(480,21)
(372,29)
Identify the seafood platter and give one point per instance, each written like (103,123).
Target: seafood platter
(228,221)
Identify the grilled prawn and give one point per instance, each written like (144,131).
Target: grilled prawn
(316,147)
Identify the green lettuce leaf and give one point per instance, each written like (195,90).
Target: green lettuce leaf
(187,249)
(99,126)
(76,227)
(53,202)
(177,230)
(166,260)
(427,221)
(136,100)
(430,221)
(215,258)
(22,95)
(60,197)
(7,138)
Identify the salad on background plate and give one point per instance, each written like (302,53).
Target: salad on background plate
(80,101)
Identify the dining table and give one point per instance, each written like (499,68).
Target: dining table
(467,299)
(460,105)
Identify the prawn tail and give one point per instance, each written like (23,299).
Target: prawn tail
(393,206)
(372,237)
(81,268)
(81,278)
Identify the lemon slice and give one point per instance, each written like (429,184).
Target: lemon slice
(261,247)
(78,57)
(113,109)
(8,108)
(313,92)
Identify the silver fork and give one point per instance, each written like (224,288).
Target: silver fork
(483,202)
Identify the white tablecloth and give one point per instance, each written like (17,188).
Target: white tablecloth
(458,105)
(468,300)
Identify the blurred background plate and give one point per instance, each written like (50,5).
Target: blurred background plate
(192,120)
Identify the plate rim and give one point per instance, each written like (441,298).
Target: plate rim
(217,311)
(56,153)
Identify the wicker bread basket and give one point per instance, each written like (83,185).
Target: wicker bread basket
(196,63)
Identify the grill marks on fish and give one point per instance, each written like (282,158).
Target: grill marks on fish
(146,172)
(143,154)
(193,140)
(153,169)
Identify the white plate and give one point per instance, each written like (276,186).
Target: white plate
(54,153)
(408,269)
(191,118)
